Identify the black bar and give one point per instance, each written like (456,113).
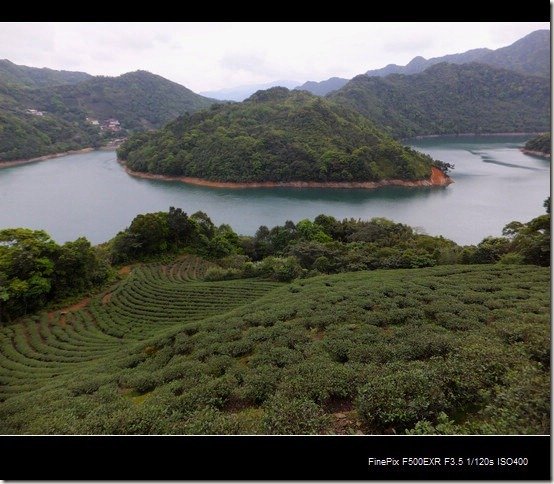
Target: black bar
(320,458)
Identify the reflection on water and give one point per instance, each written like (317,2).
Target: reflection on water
(90,194)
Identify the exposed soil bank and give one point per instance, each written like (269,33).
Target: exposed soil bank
(7,164)
(437,179)
(535,153)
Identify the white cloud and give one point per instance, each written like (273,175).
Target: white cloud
(206,56)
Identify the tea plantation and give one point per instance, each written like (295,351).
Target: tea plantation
(447,349)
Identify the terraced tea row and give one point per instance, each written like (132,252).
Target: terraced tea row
(153,299)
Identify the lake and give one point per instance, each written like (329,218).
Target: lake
(90,194)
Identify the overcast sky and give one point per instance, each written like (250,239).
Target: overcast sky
(206,56)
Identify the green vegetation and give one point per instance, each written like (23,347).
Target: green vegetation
(139,100)
(275,135)
(255,336)
(450,99)
(24,76)
(529,55)
(455,349)
(541,144)
(24,136)
(34,270)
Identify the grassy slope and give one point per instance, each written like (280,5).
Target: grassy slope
(167,353)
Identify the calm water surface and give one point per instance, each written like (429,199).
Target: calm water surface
(90,194)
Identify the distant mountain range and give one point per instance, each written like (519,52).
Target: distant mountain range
(64,113)
(451,99)
(240,93)
(529,55)
(323,87)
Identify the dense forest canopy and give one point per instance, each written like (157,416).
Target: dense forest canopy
(275,135)
(451,99)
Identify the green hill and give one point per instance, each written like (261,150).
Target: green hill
(449,99)
(25,76)
(276,135)
(24,135)
(138,100)
(540,144)
(450,349)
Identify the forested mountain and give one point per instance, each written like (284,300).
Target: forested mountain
(11,73)
(449,99)
(138,100)
(529,55)
(27,135)
(275,135)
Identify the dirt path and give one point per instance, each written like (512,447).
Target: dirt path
(69,309)
(125,270)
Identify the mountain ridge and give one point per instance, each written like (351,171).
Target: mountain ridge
(11,73)
(528,55)
(240,93)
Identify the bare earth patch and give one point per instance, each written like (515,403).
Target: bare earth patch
(70,309)
(125,270)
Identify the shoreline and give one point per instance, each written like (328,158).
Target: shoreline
(461,135)
(536,153)
(89,149)
(437,179)
(8,164)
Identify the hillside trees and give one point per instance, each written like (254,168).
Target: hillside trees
(34,270)
(277,136)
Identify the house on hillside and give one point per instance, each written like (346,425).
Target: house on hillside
(35,112)
(111,125)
